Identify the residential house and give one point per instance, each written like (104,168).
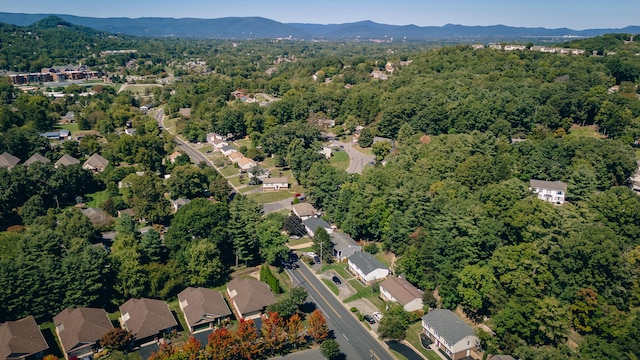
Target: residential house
(246,164)
(130,131)
(66,160)
(366,267)
(312,225)
(227,150)
(37,158)
(8,161)
(217,141)
(147,319)
(174,155)
(144,108)
(21,339)
(249,297)
(186,112)
(326,151)
(97,216)
(550,191)
(235,156)
(96,163)
(178,203)
(449,333)
(64,134)
(399,290)
(343,245)
(635,180)
(276,183)
(202,308)
(128,211)
(51,135)
(303,210)
(80,330)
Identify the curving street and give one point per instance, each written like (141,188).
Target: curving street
(357,160)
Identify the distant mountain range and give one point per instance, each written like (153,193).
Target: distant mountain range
(261,28)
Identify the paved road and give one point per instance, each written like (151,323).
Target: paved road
(311,354)
(277,205)
(355,341)
(195,155)
(357,160)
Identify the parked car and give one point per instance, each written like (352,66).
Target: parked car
(377,315)
(368,318)
(311,254)
(336,280)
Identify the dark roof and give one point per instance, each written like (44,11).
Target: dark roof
(250,294)
(8,160)
(37,158)
(21,338)
(202,305)
(313,223)
(67,160)
(365,262)
(502,357)
(226,148)
(147,317)
(550,185)
(401,289)
(342,241)
(448,325)
(79,326)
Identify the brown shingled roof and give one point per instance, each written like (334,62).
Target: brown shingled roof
(147,317)
(401,289)
(79,326)
(249,294)
(21,338)
(36,158)
(202,305)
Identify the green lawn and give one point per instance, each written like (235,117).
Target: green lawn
(97,198)
(72,127)
(364,292)
(302,240)
(243,142)
(340,268)
(249,188)
(206,148)
(139,89)
(268,163)
(235,181)
(340,160)
(413,338)
(331,286)
(365,151)
(270,196)
(175,308)
(229,170)
(117,355)
(585,131)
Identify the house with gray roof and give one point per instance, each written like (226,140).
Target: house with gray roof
(95,163)
(66,160)
(450,334)
(343,245)
(549,191)
(36,158)
(8,161)
(80,330)
(147,319)
(21,339)
(303,210)
(202,308)
(366,267)
(312,225)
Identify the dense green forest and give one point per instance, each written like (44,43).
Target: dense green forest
(451,200)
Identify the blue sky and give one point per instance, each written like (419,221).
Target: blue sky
(574,14)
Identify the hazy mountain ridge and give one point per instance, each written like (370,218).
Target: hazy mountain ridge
(258,27)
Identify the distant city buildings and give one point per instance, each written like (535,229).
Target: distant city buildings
(55,73)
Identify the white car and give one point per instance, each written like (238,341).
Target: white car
(311,254)
(377,315)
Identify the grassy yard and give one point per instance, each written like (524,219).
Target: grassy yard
(72,127)
(229,170)
(235,181)
(340,268)
(365,151)
(175,309)
(97,198)
(331,286)
(138,89)
(117,355)
(268,163)
(413,338)
(206,148)
(243,142)
(270,196)
(585,131)
(249,188)
(364,292)
(340,160)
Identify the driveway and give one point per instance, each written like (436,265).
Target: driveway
(277,205)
